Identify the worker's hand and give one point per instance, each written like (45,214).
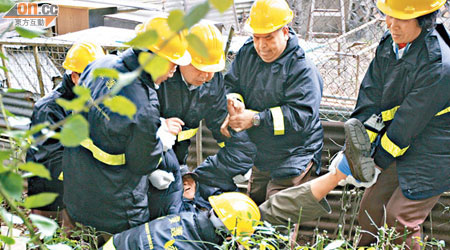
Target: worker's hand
(167,138)
(174,125)
(241,121)
(224,127)
(161,179)
(235,106)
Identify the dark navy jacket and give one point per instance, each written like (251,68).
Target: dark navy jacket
(207,102)
(187,231)
(412,96)
(49,152)
(113,198)
(286,92)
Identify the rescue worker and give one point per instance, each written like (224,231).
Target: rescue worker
(197,92)
(281,90)
(49,152)
(106,178)
(406,88)
(237,213)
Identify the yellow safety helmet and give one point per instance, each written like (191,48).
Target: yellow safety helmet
(211,37)
(174,50)
(267,16)
(237,211)
(80,55)
(410,9)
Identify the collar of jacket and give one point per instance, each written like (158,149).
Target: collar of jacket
(67,85)
(130,60)
(411,56)
(291,47)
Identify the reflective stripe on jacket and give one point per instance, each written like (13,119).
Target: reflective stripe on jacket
(112,197)
(287,95)
(412,96)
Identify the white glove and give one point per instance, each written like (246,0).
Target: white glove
(161,179)
(350,179)
(242,178)
(167,139)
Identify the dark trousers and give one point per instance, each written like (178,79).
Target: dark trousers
(401,212)
(261,186)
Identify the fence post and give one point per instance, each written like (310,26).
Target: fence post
(38,70)
(198,144)
(8,78)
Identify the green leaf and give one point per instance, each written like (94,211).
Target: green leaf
(37,169)
(12,90)
(3,169)
(221,5)
(10,218)
(39,200)
(105,72)
(175,20)
(2,56)
(12,183)
(46,226)
(121,105)
(6,5)
(8,113)
(37,128)
(125,80)
(144,40)
(79,103)
(196,14)
(5,155)
(197,45)
(153,64)
(29,33)
(4,68)
(74,131)
(7,240)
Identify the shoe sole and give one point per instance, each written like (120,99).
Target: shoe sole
(364,169)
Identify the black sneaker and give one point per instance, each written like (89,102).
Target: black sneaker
(357,151)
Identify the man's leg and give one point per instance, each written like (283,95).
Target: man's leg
(406,214)
(373,202)
(276,185)
(257,185)
(285,205)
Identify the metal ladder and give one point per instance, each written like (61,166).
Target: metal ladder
(320,12)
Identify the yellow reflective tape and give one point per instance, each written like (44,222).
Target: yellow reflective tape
(187,134)
(102,155)
(389,114)
(372,135)
(447,110)
(278,121)
(149,237)
(61,176)
(237,96)
(160,160)
(222,144)
(109,245)
(391,147)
